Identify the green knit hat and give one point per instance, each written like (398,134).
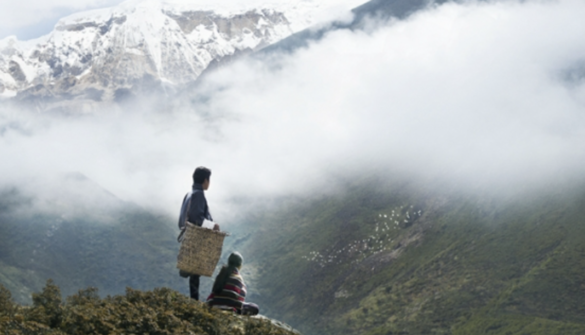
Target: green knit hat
(235,259)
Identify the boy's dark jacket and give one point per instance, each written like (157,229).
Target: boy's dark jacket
(194,208)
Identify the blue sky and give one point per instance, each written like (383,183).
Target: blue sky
(36,29)
(28,19)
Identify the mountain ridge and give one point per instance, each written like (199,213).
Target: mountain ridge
(91,55)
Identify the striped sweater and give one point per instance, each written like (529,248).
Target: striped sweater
(232,295)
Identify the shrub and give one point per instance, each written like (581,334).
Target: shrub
(158,312)
(47,309)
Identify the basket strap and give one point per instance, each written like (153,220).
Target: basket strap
(181,235)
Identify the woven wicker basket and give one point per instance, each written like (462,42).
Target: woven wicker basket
(200,250)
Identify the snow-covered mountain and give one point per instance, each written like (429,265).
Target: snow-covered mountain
(98,55)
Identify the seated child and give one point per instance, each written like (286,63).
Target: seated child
(229,290)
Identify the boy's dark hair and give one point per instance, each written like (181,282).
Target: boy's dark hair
(201,173)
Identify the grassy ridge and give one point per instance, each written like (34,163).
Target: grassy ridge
(157,312)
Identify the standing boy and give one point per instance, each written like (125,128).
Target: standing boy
(194,211)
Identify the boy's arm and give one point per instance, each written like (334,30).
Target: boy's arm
(184,210)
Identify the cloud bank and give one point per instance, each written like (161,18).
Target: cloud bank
(479,95)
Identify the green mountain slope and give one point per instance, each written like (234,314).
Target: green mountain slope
(108,247)
(403,260)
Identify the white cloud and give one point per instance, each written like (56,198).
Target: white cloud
(472,94)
